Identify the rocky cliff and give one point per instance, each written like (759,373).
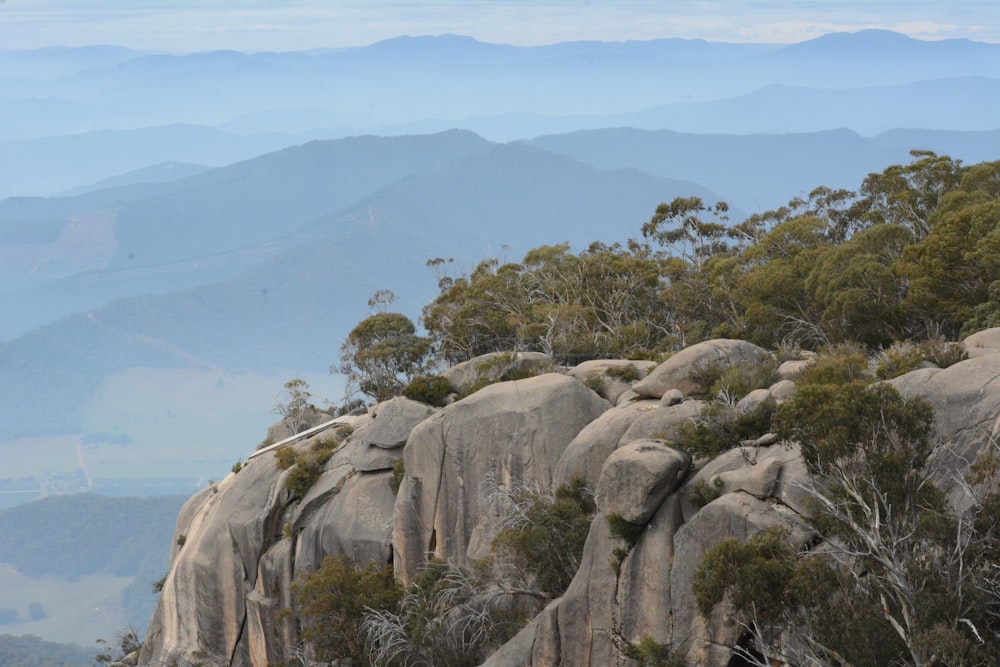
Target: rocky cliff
(240,544)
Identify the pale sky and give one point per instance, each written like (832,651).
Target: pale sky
(283,25)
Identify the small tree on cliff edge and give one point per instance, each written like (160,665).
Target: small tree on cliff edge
(382,354)
(293,405)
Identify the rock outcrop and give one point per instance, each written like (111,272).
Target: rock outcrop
(507,433)
(690,369)
(240,545)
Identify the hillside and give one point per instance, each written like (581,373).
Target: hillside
(291,310)
(75,540)
(761,172)
(71,253)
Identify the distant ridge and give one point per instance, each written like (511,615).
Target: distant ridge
(158,173)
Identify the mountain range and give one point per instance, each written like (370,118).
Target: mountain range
(73,116)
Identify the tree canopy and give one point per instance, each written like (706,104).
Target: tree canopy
(913,253)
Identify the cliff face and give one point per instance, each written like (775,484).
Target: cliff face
(241,544)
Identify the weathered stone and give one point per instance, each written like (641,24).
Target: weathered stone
(232,576)
(628,397)
(203,602)
(637,477)
(584,457)
(517,651)
(578,628)
(644,583)
(790,370)
(269,631)
(757,480)
(356,522)
(734,515)
(493,367)
(585,616)
(686,370)
(369,458)
(608,373)
(983,342)
(280,430)
(782,391)
(966,402)
(754,400)
(510,433)
(663,422)
(672,397)
(392,422)
(765,471)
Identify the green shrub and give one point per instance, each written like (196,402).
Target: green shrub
(331,604)
(181,540)
(738,380)
(430,389)
(548,543)
(788,351)
(898,359)
(703,492)
(238,466)
(942,353)
(595,383)
(841,364)
(650,653)
(306,466)
(721,427)
(623,529)
(627,373)
(755,574)
(618,556)
(396,479)
(705,375)
(284,457)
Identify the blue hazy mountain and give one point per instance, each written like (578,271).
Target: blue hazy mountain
(763,171)
(868,81)
(290,309)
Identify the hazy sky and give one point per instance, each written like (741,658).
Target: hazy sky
(188,25)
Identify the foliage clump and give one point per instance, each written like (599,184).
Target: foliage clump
(396,478)
(838,364)
(544,536)
(736,381)
(703,491)
(650,653)
(898,359)
(430,389)
(294,407)
(721,426)
(623,529)
(305,465)
(448,617)
(626,373)
(942,353)
(331,603)
(382,354)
